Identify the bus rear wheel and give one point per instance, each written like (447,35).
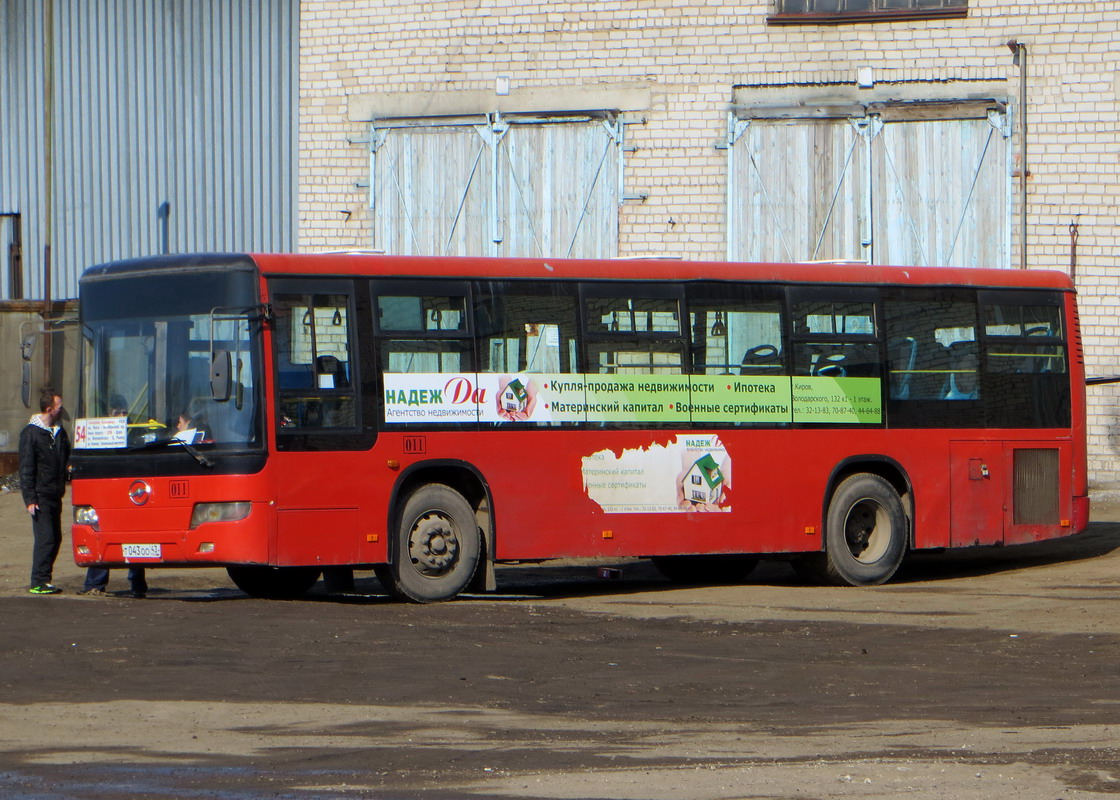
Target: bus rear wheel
(714,569)
(273,583)
(437,546)
(866,532)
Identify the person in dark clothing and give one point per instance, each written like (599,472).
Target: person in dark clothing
(97,579)
(44,450)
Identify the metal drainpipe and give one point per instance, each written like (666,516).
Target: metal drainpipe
(163,218)
(1020,51)
(1074,232)
(48,174)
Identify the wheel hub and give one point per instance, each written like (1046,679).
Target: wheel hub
(867,530)
(433,545)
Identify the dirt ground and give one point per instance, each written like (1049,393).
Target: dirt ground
(982,674)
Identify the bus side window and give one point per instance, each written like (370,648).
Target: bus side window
(932,358)
(526,327)
(526,333)
(736,337)
(1025,360)
(423,332)
(835,339)
(313,346)
(633,335)
(1024,339)
(931,351)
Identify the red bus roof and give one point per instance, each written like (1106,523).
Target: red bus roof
(651,269)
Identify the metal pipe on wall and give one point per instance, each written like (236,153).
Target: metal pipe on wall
(48,174)
(1019,51)
(163,218)
(1074,232)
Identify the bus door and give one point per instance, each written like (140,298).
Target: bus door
(978,488)
(321,426)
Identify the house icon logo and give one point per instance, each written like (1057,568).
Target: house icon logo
(514,398)
(703,483)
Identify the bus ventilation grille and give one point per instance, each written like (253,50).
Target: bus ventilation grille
(1036,487)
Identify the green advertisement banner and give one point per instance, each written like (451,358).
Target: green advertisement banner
(631,398)
(836,400)
(728,398)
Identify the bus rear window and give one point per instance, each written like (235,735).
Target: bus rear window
(1023,320)
(1024,339)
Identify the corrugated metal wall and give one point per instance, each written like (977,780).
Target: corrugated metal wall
(21,126)
(189,102)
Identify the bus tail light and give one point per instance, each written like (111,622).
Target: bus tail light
(86,515)
(218,512)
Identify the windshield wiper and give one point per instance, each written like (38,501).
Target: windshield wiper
(172,441)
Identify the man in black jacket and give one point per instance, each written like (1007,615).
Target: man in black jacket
(44,449)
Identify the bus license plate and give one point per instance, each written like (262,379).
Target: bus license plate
(142,551)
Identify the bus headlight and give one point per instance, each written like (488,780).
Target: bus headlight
(86,515)
(219,512)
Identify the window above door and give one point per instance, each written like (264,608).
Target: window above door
(826,12)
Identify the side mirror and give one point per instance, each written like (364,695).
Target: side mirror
(221,367)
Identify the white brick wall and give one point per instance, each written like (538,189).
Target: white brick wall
(691,53)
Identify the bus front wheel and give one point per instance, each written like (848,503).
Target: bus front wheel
(273,583)
(866,532)
(437,546)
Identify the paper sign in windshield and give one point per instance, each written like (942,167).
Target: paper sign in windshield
(100,433)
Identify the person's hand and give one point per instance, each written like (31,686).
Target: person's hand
(33,509)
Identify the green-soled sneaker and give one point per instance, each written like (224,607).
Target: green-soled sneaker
(46,588)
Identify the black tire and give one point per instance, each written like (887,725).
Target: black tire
(437,546)
(866,532)
(274,583)
(705,569)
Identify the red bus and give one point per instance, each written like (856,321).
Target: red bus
(428,417)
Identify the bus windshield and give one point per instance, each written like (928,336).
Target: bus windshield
(151,345)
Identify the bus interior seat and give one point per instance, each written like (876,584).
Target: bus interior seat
(964,364)
(904,353)
(330,365)
(763,359)
(1040,362)
(829,363)
(930,378)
